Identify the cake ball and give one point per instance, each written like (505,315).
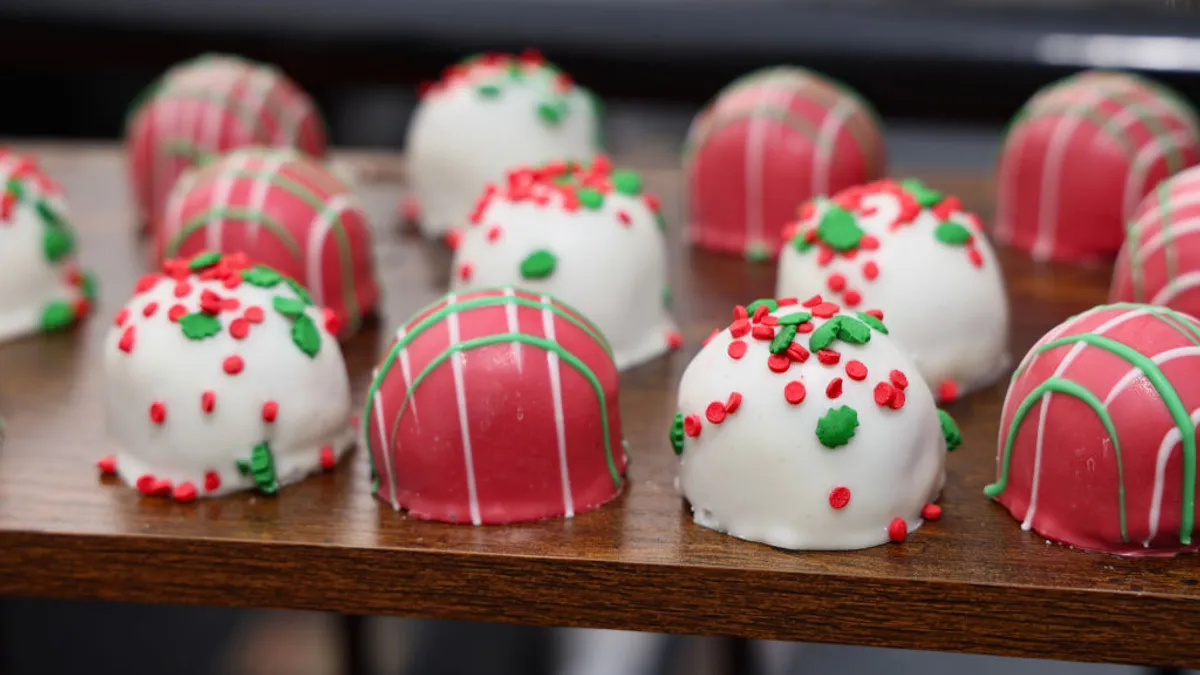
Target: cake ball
(588,234)
(41,286)
(1080,156)
(286,210)
(1098,433)
(493,407)
(804,426)
(1160,261)
(769,142)
(222,376)
(915,253)
(206,106)
(486,115)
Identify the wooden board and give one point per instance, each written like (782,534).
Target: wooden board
(971,582)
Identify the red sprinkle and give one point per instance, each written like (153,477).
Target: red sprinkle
(812,302)
(839,497)
(715,412)
(230,304)
(806,327)
(107,465)
(147,282)
(253,314)
(739,328)
(126,342)
(150,309)
(239,328)
(121,317)
(884,393)
(624,218)
(898,399)
(870,270)
(145,483)
(212,481)
(856,370)
(734,402)
(674,339)
(877,313)
(269,410)
(208,400)
(868,242)
(947,391)
(834,389)
(328,459)
(898,530)
(762,331)
(931,512)
(453,238)
(210,303)
(852,298)
(177,268)
(740,313)
(232,281)
(824,256)
(493,233)
(464,271)
(797,352)
(182,288)
(737,349)
(836,282)
(828,357)
(825,310)
(233,364)
(161,487)
(760,312)
(778,363)
(176,312)
(158,412)
(787,302)
(184,492)
(691,425)
(333,323)
(975,257)
(794,392)
(770,320)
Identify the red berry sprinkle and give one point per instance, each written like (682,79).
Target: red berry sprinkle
(760,312)
(233,364)
(239,328)
(674,339)
(253,314)
(852,298)
(161,487)
(150,309)
(494,233)
(715,412)
(125,344)
(884,393)
(333,323)
(176,312)
(898,399)
(877,313)
(232,281)
(899,379)
(812,302)
(796,352)
(328,459)
(870,270)
(734,402)
(947,391)
(453,238)
(212,481)
(828,357)
(740,313)
(691,425)
(868,242)
(146,283)
(270,410)
(787,302)
(931,512)
(834,389)
(107,465)
(856,370)
(158,412)
(836,282)
(770,320)
(778,363)
(739,328)
(464,271)
(974,256)
(121,317)
(230,304)
(182,288)
(825,310)
(794,392)
(184,492)
(806,327)
(210,303)
(898,530)
(737,349)
(145,483)
(208,400)
(624,218)
(762,331)
(839,497)
(824,256)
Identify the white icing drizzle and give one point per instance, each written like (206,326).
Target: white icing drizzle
(460,398)
(560,422)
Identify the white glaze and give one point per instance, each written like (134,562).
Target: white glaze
(459,141)
(763,475)
(313,394)
(950,316)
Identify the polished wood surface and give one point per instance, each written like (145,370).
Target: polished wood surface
(971,582)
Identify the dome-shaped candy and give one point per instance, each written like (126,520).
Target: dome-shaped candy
(283,209)
(915,253)
(206,106)
(1160,261)
(806,427)
(220,377)
(1098,433)
(486,115)
(769,142)
(496,406)
(41,286)
(1080,156)
(587,234)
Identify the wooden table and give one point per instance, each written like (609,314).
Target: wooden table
(971,582)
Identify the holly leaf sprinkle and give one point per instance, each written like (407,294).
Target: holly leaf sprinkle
(853,331)
(771,305)
(952,233)
(676,434)
(549,113)
(306,336)
(873,322)
(56,243)
(289,307)
(243,467)
(783,340)
(839,229)
(262,469)
(57,315)
(488,90)
(661,221)
(590,198)
(801,243)
(204,260)
(301,291)
(198,325)
(925,196)
(836,427)
(794,319)
(539,264)
(627,182)
(263,277)
(949,430)
(825,334)
(47,213)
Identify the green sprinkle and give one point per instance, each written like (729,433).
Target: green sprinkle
(262,468)
(676,434)
(89,285)
(289,307)
(757,253)
(795,318)
(837,426)
(263,277)
(952,233)
(661,221)
(949,430)
(825,334)
(243,467)
(873,322)
(590,198)
(488,90)
(306,336)
(925,196)
(48,215)
(204,261)
(770,304)
(839,229)
(549,113)
(667,295)
(783,340)
(57,315)
(300,291)
(539,264)
(627,182)
(853,331)
(56,243)
(801,244)
(198,325)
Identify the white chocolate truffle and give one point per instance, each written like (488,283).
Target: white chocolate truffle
(41,286)
(805,427)
(485,116)
(222,377)
(587,235)
(914,253)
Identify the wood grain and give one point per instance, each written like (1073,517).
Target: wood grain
(971,582)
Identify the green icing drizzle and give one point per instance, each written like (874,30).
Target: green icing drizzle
(949,430)
(202,220)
